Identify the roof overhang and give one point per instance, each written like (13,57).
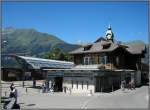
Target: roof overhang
(90,69)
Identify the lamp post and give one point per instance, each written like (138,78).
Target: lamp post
(4,45)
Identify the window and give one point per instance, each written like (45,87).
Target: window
(103,59)
(77,84)
(87,60)
(106,46)
(72,84)
(87,85)
(7,58)
(117,60)
(82,84)
(87,47)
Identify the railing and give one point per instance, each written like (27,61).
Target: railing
(87,66)
(109,66)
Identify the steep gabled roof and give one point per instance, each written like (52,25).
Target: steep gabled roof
(98,47)
(136,48)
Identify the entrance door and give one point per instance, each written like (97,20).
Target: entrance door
(128,78)
(98,84)
(58,84)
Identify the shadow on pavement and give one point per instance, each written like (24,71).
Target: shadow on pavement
(31,105)
(20,103)
(37,87)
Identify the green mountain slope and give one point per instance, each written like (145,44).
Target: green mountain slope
(32,42)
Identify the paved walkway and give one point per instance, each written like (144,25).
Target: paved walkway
(33,98)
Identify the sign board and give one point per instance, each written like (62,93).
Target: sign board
(55,74)
(11,75)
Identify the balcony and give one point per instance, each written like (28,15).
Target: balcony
(96,66)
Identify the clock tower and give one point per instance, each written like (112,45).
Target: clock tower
(109,34)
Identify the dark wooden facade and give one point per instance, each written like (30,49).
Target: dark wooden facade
(117,59)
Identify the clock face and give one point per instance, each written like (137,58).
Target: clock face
(109,36)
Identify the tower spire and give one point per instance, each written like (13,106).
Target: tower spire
(109,27)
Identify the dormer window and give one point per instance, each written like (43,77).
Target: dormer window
(87,47)
(105,44)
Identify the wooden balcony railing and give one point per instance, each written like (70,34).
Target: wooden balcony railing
(106,66)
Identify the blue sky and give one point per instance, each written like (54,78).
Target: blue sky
(76,22)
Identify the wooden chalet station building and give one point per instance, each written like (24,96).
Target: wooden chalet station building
(99,67)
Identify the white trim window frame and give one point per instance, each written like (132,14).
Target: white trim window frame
(103,59)
(87,60)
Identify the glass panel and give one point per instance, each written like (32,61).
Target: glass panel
(72,84)
(82,84)
(77,84)
(103,59)
(87,61)
(87,85)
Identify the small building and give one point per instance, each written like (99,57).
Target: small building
(144,73)
(100,66)
(16,67)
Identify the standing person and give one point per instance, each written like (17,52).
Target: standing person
(46,86)
(54,87)
(65,89)
(122,85)
(11,86)
(132,84)
(34,82)
(14,93)
(125,84)
(43,88)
